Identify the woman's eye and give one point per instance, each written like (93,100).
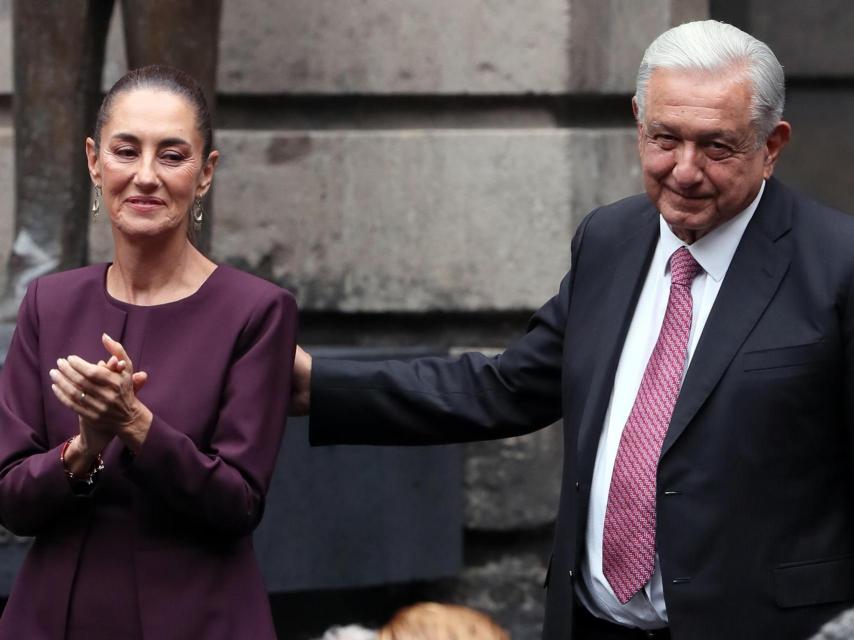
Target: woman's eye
(125,152)
(171,156)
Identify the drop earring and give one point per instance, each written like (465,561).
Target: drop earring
(198,214)
(96,203)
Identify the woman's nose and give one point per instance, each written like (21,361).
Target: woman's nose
(146,173)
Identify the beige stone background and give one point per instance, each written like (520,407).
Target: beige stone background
(414,172)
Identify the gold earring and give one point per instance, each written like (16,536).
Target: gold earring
(198,214)
(96,203)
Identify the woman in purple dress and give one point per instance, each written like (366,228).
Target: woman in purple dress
(143,402)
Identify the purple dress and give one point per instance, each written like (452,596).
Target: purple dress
(162,547)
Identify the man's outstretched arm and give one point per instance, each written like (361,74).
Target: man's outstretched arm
(441,400)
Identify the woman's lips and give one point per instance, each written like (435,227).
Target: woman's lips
(144,203)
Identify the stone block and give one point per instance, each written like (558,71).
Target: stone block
(385,47)
(393,47)
(688,10)
(816,160)
(811,39)
(513,483)
(411,220)
(604,167)
(607,62)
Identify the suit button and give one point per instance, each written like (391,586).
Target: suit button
(578,486)
(570,573)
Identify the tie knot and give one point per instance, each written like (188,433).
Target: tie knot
(683,267)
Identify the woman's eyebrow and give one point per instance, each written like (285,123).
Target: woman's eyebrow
(166,142)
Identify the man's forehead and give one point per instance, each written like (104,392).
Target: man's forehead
(733,77)
(720,133)
(699,93)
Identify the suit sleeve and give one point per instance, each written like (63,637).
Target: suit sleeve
(34,490)
(848,375)
(443,400)
(223,488)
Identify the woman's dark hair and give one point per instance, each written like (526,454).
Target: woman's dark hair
(157,76)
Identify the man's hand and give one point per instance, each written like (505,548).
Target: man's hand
(301,384)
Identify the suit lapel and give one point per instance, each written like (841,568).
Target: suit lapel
(634,254)
(757,268)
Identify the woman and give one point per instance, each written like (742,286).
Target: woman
(142,488)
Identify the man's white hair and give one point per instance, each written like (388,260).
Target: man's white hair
(709,45)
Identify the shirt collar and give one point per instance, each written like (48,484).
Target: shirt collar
(714,251)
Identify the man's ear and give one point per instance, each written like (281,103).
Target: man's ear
(774,145)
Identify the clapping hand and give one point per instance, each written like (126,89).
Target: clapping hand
(103,395)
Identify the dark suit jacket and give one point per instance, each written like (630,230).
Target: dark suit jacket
(219,365)
(755,504)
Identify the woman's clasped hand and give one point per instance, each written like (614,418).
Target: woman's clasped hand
(103,395)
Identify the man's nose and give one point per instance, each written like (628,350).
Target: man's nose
(688,169)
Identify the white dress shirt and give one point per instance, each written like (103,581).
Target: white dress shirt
(714,252)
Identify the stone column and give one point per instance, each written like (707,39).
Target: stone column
(58,56)
(58,59)
(183,34)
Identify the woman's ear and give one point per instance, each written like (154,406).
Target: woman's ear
(207,174)
(92,162)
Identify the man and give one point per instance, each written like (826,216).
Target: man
(699,352)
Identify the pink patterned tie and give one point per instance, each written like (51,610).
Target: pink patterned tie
(628,545)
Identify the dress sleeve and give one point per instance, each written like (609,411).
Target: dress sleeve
(34,490)
(444,400)
(223,487)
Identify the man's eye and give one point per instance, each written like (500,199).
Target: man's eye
(718,151)
(665,141)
